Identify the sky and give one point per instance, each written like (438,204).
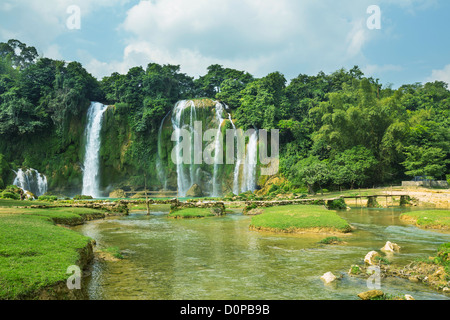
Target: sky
(410,44)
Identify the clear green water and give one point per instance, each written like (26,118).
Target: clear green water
(219,258)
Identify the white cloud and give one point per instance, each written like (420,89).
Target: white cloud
(255,35)
(258,36)
(440,75)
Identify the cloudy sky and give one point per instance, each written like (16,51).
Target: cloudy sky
(258,36)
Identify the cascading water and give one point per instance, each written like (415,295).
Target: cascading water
(183,182)
(249,183)
(216,187)
(184,116)
(238,161)
(92,154)
(31,180)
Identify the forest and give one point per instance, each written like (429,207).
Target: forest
(338,130)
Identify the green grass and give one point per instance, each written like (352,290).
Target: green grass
(34,254)
(191,213)
(115,252)
(67,215)
(299,218)
(19,203)
(429,218)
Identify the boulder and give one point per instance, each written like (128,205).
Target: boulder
(370,258)
(369,295)
(119,193)
(391,247)
(194,192)
(328,277)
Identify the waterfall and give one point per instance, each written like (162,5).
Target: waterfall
(31,180)
(183,181)
(238,161)
(184,115)
(92,154)
(217,190)
(249,183)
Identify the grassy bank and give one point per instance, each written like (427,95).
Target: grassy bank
(433,219)
(302,218)
(35,254)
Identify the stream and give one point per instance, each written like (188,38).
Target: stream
(221,259)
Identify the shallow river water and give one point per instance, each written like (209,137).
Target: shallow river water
(221,259)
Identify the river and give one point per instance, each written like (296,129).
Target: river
(221,259)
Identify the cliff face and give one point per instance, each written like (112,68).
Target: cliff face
(56,153)
(132,156)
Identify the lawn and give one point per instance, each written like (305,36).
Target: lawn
(35,254)
(299,218)
(436,219)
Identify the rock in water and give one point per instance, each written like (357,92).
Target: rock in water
(119,193)
(328,277)
(370,258)
(194,192)
(391,247)
(369,295)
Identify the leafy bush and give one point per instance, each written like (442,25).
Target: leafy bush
(9,195)
(338,204)
(81,197)
(48,198)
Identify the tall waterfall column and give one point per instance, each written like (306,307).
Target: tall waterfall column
(91,183)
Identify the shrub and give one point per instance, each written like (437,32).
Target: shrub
(81,197)
(273,188)
(331,240)
(48,198)
(9,195)
(338,204)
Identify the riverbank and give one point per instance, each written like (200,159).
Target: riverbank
(432,271)
(36,250)
(429,219)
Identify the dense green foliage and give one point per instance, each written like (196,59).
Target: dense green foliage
(341,130)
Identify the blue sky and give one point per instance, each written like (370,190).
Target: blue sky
(258,36)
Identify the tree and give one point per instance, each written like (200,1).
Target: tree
(353,166)
(425,161)
(310,172)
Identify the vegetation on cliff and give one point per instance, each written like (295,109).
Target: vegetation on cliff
(338,130)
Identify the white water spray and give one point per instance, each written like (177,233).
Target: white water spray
(91,173)
(31,180)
